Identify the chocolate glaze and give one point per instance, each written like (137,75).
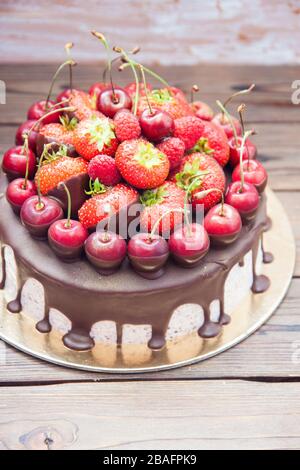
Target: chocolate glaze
(267,256)
(77,185)
(3,269)
(41,140)
(86,297)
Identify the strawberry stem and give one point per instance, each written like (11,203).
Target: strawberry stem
(69,62)
(68,223)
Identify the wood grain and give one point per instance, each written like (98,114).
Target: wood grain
(172,31)
(177,415)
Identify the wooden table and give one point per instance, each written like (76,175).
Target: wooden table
(248,397)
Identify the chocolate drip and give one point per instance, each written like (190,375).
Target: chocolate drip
(44,325)
(119,328)
(224,318)
(260,282)
(86,298)
(268,224)
(242,262)
(267,256)
(3,274)
(15,306)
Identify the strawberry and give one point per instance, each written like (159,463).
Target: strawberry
(127,125)
(95,135)
(174,149)
(166,100)
(189,129)
(214,142)
(84,104)
(167,199)
(58,167)
(111,201)
(58,134)
(104,168)
(141,164)
(206,173)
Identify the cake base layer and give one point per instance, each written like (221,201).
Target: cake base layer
(86,298)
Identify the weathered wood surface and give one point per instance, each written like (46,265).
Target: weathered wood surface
(169,31)
(152,415)
(240,399)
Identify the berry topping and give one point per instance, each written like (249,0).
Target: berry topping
(104,168)
(127,126)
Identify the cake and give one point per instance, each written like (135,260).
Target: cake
(81,166)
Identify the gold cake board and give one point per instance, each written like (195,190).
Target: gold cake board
(20,332)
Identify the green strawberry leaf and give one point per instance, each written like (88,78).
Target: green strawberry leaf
(161,95)
(96,188)
(153,196)
(101,132)
(148,156)
(202,146)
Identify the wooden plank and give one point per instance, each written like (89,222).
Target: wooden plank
(151,415)
(273,351)
(270,102)
(283,165)
(249,32)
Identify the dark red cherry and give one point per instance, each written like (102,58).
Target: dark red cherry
(14,163)
(38,109)
(24,129)
(234,158)
(66,238)
(111,101)
(156,124)
(244,198)
(189,244)
(223,224)
(106,251)
(222,121)
(202,110)
(148,254)
(18,191)
(254,173)
(64,95)
(37,216)
(97,88)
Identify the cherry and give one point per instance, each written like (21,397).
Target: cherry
(14,162)
(202,110)
(254,173)
(244,197)
(222,121)
(64,95)
(18,191)
(38,213)
(249,152)
(106,250)
(148,253)
(66,238)
(156,124)
(223,224)
(111,100)
(189,244)
(40,108)
(24,129)
(96,89)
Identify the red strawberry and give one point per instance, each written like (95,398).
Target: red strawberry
(174,149)
(104,168)
(141,164)
(202,110)
(56,169)
(166,100)
(95,135)
(58,133)
(214,142)
(206,174)
(83,102)
(112,201)
(127,125)
(189,129)
(167,199)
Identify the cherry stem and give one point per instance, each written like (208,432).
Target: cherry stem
(229,118)
(39,206)
(102,38)
(241,110)
(50,113)
(238,93)
(204,193)
(196,179)
(194,90)
(149,71)
(68,223)
(69,62)
(155,226)
(132,65)
(245,137)
(116,59)
(26,150)
(68,48)
(145,87)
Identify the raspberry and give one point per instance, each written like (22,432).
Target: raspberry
(104,168)
(174,149)
(189,129)
(127,125)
